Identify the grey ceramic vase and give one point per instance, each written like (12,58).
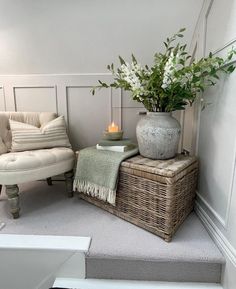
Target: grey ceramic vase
(158,135)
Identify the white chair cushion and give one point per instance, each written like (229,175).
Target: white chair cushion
(20,167)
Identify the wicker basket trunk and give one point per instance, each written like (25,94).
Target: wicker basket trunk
(154,195)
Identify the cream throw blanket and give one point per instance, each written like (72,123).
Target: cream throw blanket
(97,172)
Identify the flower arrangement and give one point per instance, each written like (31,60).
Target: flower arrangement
(174,80)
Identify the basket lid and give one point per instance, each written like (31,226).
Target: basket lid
(166,168)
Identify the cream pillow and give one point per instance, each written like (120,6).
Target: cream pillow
(29,137)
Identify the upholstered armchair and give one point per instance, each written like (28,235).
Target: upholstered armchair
(17,166)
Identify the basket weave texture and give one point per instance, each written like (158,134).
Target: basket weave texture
(156,195)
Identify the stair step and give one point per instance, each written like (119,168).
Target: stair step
(123,251)
(152,270)
(125,284)
(119,250)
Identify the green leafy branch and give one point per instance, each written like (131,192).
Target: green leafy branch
(174,80)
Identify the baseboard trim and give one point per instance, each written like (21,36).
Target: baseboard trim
(209,207)
(227,249)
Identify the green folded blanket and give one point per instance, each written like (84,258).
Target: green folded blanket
(97,172)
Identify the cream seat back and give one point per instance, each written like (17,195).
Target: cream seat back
(31,165)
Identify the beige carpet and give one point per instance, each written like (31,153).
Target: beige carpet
(47,210)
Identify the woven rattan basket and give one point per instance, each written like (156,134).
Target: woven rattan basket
(154,195)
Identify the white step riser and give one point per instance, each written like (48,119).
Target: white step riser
(122,284)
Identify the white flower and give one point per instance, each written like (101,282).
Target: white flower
(168,71)
(130,74)
(172,66)
(133,74)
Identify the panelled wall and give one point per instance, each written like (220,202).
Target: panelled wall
(87,115)
(53,52)
(216,145)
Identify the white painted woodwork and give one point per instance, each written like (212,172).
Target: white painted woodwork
(216,138)
(126,284)
(130,117)
(36,98)
(88,115)
(222,31)
(27,269)
(74,267)
(33,262)
(128,102)
(38,242)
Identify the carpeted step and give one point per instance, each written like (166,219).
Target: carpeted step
(190,257)
(107,268)
(119,250)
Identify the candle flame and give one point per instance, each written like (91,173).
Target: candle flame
(113,127)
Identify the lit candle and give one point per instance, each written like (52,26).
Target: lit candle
(113,127)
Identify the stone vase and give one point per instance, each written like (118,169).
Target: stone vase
(158,135)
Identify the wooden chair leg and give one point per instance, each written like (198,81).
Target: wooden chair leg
(12,192)
(69,183)
(49,181)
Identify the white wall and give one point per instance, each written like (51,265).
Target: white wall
(216,202)
(53,52)
(81,36)
(34,262)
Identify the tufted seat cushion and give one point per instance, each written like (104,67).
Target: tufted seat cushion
(20,167)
